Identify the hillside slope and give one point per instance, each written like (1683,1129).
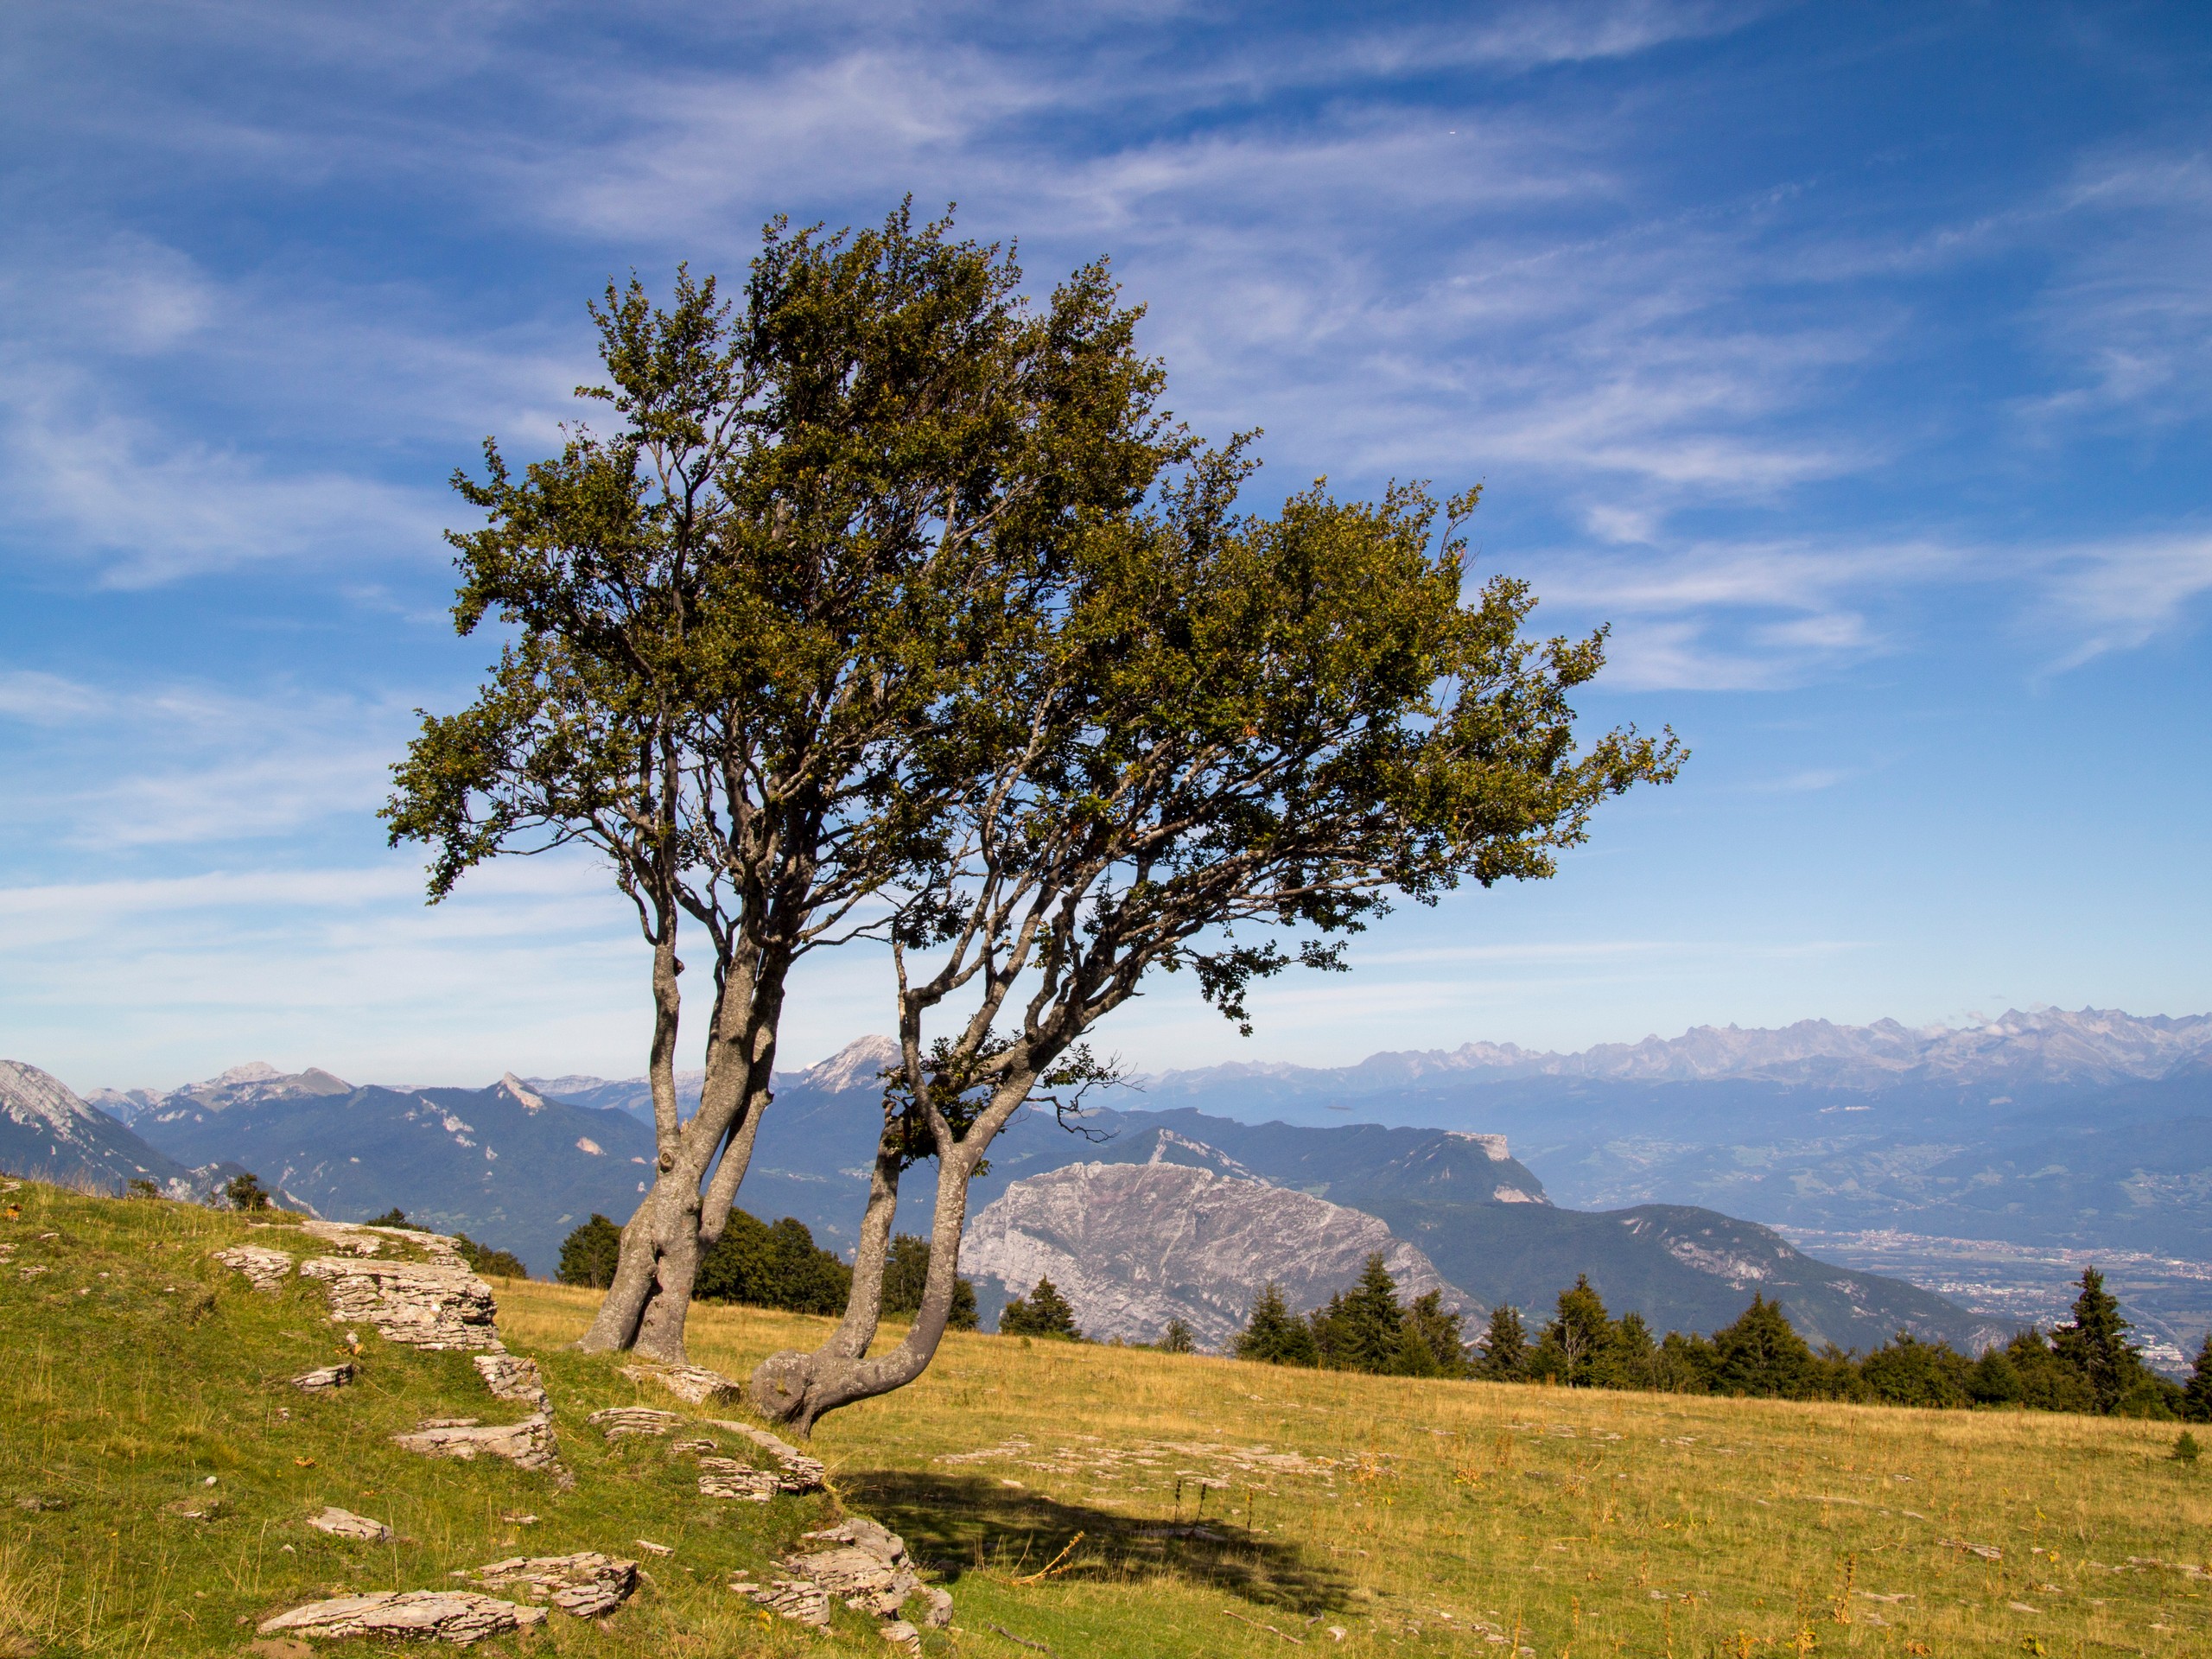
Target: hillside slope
(46,1131)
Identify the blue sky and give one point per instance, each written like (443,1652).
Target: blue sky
(1855,362)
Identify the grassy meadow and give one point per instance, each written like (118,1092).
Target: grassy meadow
(1076,1500)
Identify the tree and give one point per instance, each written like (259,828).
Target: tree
(742,626)
(2094,1344)
(1221,725)
(1178,1338)
(1273,1335)
(905,1276)
(1434,1334)
(1906,1371)
(1361,1328)
(1505,1347)
(1994,1381)
(590,1255)
(485,1258)
(245,1192)
(1578,1347)
(2197,1396)
(1762,1356)
(2047,1381)
(777,1266)
(1044,1312)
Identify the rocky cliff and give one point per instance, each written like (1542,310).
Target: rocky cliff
(1134,1245)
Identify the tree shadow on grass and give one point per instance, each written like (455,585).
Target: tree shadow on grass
(958,1522)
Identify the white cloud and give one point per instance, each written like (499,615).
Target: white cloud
(2117,595)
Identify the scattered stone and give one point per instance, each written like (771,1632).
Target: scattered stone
(265,1270)
(694,1448)
(29,1272)
(801,1473)
(1988,1552)
(794,1599)
(330,1377)
(509,1377)
(694,1384)
(868,1570)
(344,1523)
(194,1508)
(588,1585)
(40,1505)
(940,1613)
(458,1616)
(354,1240)
(652,1548)
(899,1633)
(618,1420)
(518,1518)
(725,1478)
(436,1305)
(527,1445)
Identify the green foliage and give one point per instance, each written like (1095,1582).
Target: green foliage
(2094,1346)
(1995,1381)
(772,1267)
(1178,1338)
(1043,1312)
(245,1192)
(1273,1335)
(1503,1356)
(139,1187)
(2197,1396)
(396,1216)
(589,1255)
(1762,1356)
(1905,1371)
(1362,1328)
(905,1276)
(1431,1336)
(1580,1346)
(484,1258)
(2185,1447)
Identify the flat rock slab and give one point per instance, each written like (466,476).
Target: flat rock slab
(801,1473)
(694,1384)
(344,1523)
(794,1599)
(727,1477)
(509,1377)
(588,1585)
(859,1578)
(330,1377)
(618,1420)
(527,1445)
(458,1616)
(435,1306)
(265,1270)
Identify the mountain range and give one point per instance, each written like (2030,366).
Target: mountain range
(1989,1162)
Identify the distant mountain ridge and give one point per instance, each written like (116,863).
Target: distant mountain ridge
(2092,1046)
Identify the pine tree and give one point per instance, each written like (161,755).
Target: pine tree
(1275,1335)
(2094,1346)
(1178,1338)
(245,1192)
(1577,1346)
(1043,1312)
(1995,1381)
(1906,1371)
(1762,1355)
(1362,1328)
(1636,1354)
(588,1254)
(1437,1333)
(2197,1398)
(1504,1356)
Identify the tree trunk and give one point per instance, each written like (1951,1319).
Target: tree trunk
(799,1388)
(649,1303)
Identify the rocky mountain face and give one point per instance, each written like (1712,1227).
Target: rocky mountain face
(48,1132)
(1132,1245)
(506,1165)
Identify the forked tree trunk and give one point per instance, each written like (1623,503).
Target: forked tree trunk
(649,1302)
(799,1388)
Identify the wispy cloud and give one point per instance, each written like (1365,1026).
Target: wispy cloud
(2117,595)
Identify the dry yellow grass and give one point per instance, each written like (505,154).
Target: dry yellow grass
(1415,1516)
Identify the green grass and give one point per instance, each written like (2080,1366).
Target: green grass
(1408,1514)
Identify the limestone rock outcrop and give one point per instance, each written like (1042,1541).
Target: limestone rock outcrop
(344,1523)
(1132,1246)
(265,1270)
(527,1445)
(458,1616)
(435,1306)
(588,1585)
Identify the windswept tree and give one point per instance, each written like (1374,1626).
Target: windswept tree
(1224,725)
(740,629)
